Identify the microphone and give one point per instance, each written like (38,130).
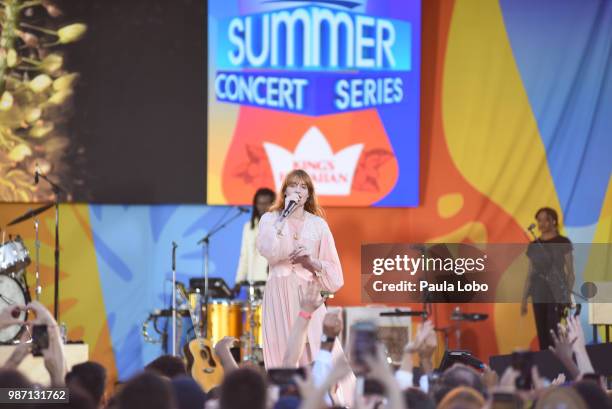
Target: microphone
(530,229)
(289,208)
(36,171)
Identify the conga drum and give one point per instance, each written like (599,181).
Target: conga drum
(224,319)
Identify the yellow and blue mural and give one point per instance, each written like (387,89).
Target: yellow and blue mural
(516,114)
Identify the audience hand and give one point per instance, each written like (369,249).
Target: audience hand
(332,324)
(224,344)
(310,297)
(430,341)
(574,330)
(313,396)
(425,340)
(538,381)
(414,344)
(380,370)
(54,356)
(55,361)
(10,315)
(507,383)
(20,352)
(43,315)
(559,380)
(563,346)
(306,385)
(489,377)
(222,349)
(583,362)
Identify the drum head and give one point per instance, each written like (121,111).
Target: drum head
(11,293)
(219,301)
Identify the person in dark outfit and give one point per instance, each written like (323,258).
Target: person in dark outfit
(551,275)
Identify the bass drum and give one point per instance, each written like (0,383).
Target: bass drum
(12,293)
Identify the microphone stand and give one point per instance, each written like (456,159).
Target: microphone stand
(174,246)
(205,241)
(570,291)
(38,289)
(426,297)
(57,190)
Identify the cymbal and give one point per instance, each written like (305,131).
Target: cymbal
(30,214)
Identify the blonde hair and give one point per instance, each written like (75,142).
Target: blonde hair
(311,205)
(462,396)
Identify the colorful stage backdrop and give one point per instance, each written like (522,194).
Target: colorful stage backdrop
(330,86)
(516,108)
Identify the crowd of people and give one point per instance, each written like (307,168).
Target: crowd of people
(165,383)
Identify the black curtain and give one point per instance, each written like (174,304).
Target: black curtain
(139,126)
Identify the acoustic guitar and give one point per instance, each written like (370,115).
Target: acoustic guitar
(202,362)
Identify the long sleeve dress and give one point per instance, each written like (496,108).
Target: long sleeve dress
(281,303)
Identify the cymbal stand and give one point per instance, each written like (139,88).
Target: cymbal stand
(205,242)
(38,288)
(250,347)
(57,190)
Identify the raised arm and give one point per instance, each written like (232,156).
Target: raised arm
(310,300)
(575,332)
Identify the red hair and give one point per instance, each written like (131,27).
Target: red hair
(311,205)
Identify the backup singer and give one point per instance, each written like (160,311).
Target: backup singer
(551,276)
(252,267)
(299,248)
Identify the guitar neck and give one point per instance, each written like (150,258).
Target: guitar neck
(195,322)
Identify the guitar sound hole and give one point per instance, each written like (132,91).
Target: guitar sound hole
(206,355)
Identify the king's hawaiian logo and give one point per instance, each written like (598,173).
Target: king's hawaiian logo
(332,173)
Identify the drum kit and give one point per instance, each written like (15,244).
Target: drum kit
(212,309)
(240,319)
(223,316)
(14,258)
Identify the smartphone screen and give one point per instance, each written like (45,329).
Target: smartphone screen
(283,378)
(363,343)
(373,387)
(40,339)
(522,361)
(599,379)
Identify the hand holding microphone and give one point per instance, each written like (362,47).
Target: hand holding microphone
(531,229)
(291,202)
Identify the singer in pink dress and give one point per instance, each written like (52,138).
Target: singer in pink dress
(299,248)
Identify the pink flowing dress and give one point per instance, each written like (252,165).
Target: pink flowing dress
(281,303)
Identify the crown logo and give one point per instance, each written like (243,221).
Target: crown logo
(332,174)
